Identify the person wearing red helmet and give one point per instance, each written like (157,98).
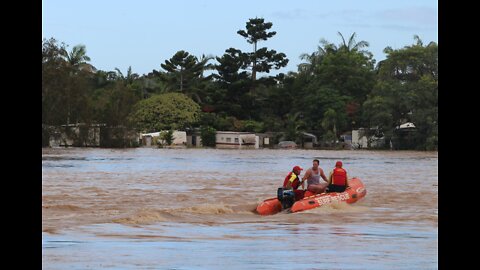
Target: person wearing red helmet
(292,180)
(338,179)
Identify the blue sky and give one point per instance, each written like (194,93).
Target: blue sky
(144,33)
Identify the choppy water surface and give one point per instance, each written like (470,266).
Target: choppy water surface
(194,209)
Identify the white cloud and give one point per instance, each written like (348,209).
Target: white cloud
(414,15)
(292,14)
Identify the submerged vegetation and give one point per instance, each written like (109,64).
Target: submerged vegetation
(338,87)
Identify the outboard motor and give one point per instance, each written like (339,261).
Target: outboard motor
(286,197)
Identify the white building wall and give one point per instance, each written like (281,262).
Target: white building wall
(358,139)
(234,140)
(199,141)
(179,137)
(355,137)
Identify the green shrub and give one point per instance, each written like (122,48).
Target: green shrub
(208,135)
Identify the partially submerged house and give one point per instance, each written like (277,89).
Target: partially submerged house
(404,137)
(153,138)
(193,137)
(266,139)
(309,140)
(74,135)
(359,138)
(346,140)
(367,138)
(233,139)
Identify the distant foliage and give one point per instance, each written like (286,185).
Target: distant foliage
(165,112)
(407,91)
(208,135)
(338,87)
(167,137)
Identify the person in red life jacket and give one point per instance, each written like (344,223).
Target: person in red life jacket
(338,179)
(292,180)
(313,175)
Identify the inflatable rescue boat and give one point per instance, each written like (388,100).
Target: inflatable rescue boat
(353,193)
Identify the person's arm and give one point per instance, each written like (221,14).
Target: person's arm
(346,180)
(330,178)
(322,174)
(306,175)
(289,185)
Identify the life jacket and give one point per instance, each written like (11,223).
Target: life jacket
(339,177)
(295,182)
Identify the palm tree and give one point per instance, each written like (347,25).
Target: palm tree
(198,84)
(311,59)
(330,121)
(128,80)
(418,40)
(76,60)
(294,125)
(203,61)
(327,47)
(316,57)
(352,45)
(77,56)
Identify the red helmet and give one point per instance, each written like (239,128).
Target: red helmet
(297,168)
(338,164)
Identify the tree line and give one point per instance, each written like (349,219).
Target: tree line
(337,88)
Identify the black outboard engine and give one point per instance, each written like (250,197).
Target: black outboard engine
(286,197)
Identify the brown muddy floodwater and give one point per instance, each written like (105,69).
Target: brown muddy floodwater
(194,209)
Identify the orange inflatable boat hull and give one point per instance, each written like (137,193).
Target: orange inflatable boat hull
(353,193)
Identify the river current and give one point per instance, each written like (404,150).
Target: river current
(149,208)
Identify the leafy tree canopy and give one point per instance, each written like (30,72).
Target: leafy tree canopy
(164,112)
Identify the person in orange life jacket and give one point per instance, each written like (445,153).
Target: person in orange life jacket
(312,175)
(292,180)
(338,179)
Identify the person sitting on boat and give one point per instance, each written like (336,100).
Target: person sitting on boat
(312,175)
(338,179)
(292,181)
